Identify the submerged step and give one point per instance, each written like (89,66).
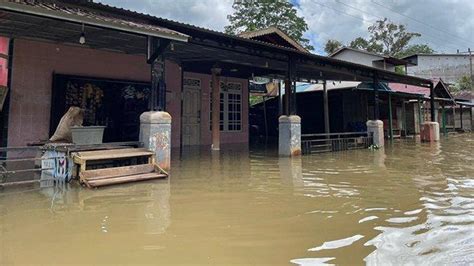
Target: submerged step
(123,179)
(118,171)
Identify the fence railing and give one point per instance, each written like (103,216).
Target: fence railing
(317,143)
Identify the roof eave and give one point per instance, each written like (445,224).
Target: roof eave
(89,21)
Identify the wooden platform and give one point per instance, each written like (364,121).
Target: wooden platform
(116,175)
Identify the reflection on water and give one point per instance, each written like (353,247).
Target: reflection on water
(410,203)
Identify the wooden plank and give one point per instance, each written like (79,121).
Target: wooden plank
(118,171)
(125,179)
(112,154)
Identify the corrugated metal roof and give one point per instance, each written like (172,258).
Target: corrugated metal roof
(71,11)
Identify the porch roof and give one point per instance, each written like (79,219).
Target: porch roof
(64,22)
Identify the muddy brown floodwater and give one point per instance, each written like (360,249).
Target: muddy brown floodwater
(409,204)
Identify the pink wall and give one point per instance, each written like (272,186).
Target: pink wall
(35,62)
(33,66)
(4,42)
(226,137)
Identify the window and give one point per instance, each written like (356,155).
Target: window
(231,107)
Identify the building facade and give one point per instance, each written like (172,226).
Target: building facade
(35,94)
(449,67)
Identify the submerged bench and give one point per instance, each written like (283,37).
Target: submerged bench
(116,175)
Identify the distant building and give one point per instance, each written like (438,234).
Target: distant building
(368,59)
(449,67)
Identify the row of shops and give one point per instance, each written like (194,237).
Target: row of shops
(117,64)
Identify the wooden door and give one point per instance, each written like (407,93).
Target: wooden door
(191,111)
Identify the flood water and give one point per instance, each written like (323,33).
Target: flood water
(411,203)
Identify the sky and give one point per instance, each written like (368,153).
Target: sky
(445,25)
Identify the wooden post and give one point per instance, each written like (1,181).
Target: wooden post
(432,103)
(326,109)
(443,118)
(286,99)
(420,115)
(216,106)
(390,118)
(404,121)
(155,49)
(460,116)
(454,117)
(376,99)
(470,114)
(280,99)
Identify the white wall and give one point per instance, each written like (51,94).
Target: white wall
(363,59)
(448,67)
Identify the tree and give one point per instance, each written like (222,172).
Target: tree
(259,14)
(463,84)
(331,46)
(392,37)
(415,49)
(363,44)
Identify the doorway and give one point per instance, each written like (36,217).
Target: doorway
(191,111)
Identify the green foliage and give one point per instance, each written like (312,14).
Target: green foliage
(463,84)
(331,46)
(363,44)
(415,49)
(260,14)
(400,70)
(254,99)
(391,37)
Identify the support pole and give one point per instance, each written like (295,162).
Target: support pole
(470,114)
(156,60)
(216,106)
(390,118)
(287,97)
(454,117)
(376,99)
(460,116)
(404,120)
(443,119)
(280,99)
(326,109)
(420,114)
(289,129)
(432,103)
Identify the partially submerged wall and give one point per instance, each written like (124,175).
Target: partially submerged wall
(35,63)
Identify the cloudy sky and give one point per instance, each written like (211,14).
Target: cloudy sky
(446,25)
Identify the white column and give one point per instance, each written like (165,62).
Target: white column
(155,133)
(289,135)
(375,127)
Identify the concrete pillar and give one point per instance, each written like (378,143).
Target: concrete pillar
(430,131)
(155,133)
(216,109)
(289,141)
(375,127)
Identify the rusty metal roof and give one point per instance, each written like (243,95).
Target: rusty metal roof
(79,12)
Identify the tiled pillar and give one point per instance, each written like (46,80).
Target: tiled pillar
(289,138)
(375,127)
(430,131)
(155,133)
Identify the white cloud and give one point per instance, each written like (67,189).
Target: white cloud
(211,14)
(451,23)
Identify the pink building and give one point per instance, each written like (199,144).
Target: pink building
(36,64)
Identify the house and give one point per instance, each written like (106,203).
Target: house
(368,58)
(449,67)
